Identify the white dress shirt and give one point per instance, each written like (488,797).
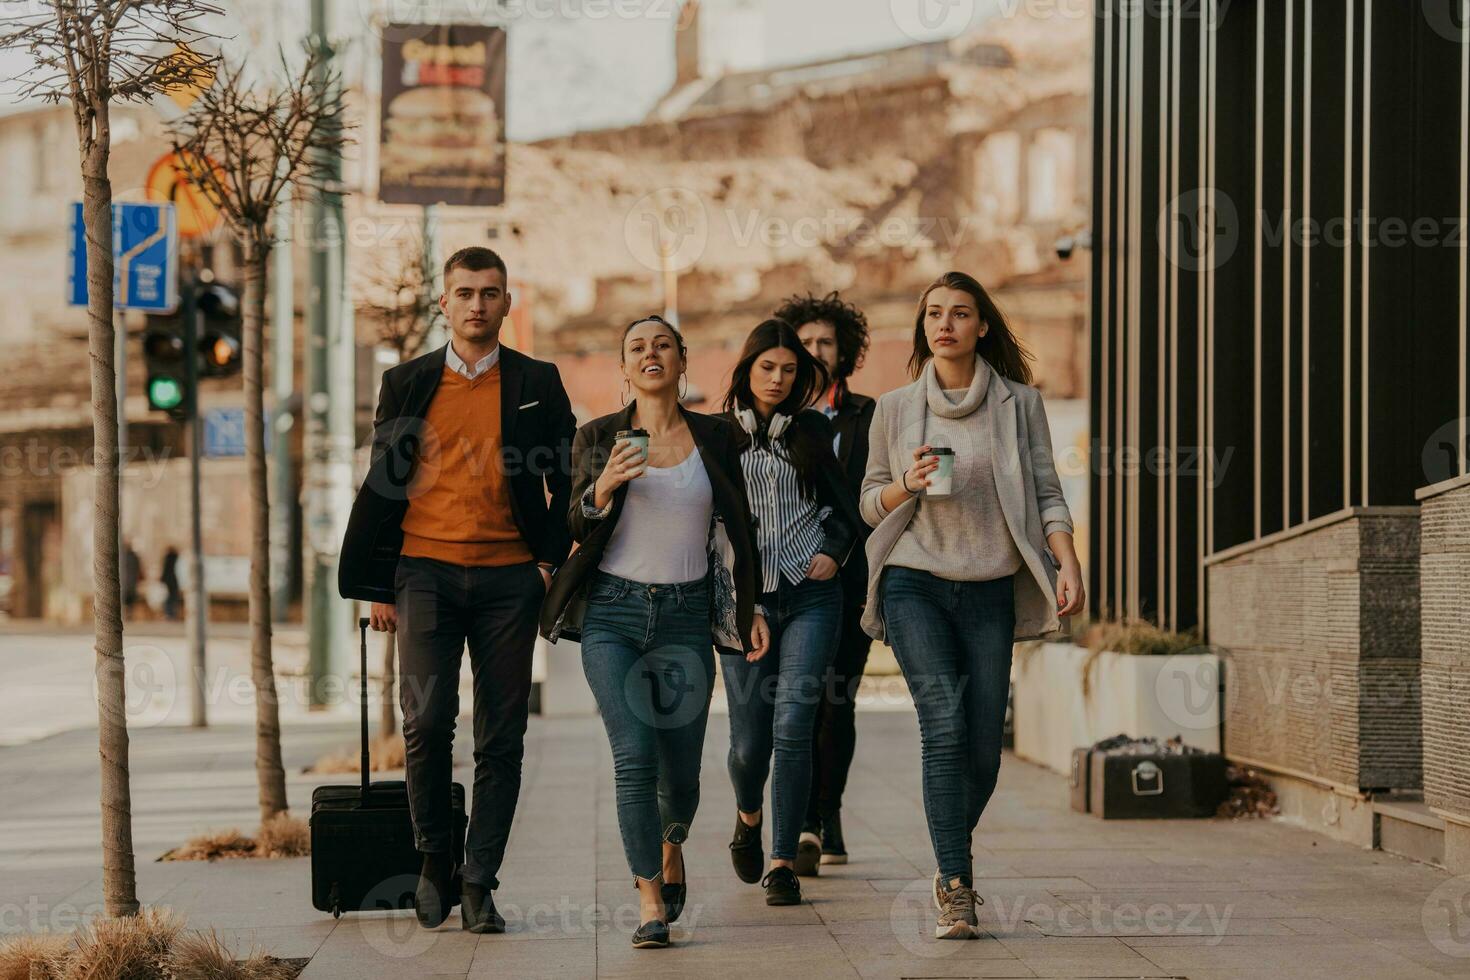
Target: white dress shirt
(458,365)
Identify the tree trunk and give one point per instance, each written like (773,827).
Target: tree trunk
(388,721)
(269,770)
(119,883)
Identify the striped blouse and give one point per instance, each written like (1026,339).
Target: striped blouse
(788,527)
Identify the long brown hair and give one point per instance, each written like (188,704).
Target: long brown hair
(811,380)
(1000,347)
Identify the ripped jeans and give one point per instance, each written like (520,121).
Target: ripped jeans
(649,659)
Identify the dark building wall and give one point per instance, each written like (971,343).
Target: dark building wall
(1278,277)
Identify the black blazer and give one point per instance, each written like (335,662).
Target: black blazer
(536,426)
(843,543)
(562,612)
(853,424)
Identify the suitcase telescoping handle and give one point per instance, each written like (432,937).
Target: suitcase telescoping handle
(362,626)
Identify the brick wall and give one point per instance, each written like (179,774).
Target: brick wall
(1319,627)
(1444,568)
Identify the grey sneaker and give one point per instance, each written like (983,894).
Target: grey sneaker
(957,919)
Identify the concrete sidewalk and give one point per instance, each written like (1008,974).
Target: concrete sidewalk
(1066,894)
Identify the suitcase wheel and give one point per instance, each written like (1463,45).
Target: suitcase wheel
(336,902)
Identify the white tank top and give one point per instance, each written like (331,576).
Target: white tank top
(662,535)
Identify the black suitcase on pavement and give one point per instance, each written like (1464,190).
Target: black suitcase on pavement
(362,848)
(1125,786)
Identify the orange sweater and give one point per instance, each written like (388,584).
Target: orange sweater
(459,501)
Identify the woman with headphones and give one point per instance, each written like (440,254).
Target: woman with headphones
(806,528)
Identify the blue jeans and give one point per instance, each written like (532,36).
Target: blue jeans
(953,641)
(773,704)
(649,659)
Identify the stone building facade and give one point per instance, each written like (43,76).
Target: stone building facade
(871,175)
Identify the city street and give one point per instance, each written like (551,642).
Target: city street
(1066,895)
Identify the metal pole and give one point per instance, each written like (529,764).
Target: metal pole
(198,595)
(435,336)
(283,367)
(120,362)
(324,458)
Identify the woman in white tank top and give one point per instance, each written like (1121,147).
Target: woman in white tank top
(664,572)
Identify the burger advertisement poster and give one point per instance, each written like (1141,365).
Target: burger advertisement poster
(443,131)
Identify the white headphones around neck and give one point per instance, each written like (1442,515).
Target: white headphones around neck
(751,425)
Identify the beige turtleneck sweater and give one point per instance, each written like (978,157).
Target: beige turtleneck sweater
(962,537)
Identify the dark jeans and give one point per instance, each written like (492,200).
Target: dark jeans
(834,737)
(953,641)
(649,659)
(774,701)
(441,607)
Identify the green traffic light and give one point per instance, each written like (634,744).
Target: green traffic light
(165,393)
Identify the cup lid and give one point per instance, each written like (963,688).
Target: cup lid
(625,433)
(940,451)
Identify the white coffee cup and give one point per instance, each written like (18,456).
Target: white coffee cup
(941,480)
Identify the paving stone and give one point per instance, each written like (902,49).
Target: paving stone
(1300,905)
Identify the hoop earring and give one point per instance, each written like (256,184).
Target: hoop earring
(627,390)
(683,386)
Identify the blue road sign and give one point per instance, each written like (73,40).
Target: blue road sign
(145,256)
(224,432)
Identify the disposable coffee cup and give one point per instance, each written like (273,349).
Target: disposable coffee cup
(638,437)
(941,481)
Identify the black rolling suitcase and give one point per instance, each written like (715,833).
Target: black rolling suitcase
(362,849)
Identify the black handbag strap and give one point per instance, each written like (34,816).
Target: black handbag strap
(362,626)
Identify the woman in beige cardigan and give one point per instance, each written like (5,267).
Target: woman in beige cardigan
(956,577)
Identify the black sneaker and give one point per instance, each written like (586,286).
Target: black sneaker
(808,854)
(782,887)
(434,896)
(674,895)
(477,910)
(746,852)
(653,934)
(834,849)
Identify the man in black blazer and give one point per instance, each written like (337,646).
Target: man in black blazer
(453,540)
(836,333)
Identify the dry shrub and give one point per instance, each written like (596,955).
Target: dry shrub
(388,753)
(34,957)
(1251,797)
(283,836)
(132,947)
(213,846)
(1142,638)
(201,956)
(151,945)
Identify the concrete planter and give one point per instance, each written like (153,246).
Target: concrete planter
(1067,697)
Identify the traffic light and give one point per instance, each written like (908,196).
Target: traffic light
(213,309)
(219,330)
(169,389)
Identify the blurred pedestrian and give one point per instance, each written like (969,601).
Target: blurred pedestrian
(131,576)
(667,566)
(173,603)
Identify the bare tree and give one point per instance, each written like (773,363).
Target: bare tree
(403,305)
(90,54)
(242,145)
